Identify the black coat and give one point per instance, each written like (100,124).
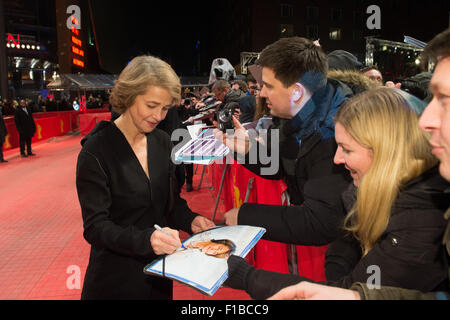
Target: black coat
(409,253)
(120,206)
(247,105)
(3,130)
(24,122)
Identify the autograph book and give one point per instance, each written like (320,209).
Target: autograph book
(203,264)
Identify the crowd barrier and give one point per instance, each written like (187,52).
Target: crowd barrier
(267,255)
(49,125)
(89,120)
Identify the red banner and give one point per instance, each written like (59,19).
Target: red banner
(89,120)
(50,124)
(45,128)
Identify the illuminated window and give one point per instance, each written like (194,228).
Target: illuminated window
(335,34)
(286,30)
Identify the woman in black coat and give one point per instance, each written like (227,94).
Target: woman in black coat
(126,184)
(394,226)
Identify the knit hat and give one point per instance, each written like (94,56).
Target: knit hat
(343,60)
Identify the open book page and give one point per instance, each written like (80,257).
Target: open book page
(203,265)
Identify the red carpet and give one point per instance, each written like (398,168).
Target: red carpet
(41,244)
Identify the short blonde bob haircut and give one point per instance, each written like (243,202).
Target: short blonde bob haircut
(385,121)
(141,73)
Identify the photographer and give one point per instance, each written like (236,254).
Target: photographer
(230,101)
(187,110)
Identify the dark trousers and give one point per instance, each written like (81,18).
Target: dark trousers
(22,141)
(1,151)
(189,172)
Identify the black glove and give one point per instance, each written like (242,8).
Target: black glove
(238,270)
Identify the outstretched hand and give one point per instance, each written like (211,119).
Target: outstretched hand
(201,223)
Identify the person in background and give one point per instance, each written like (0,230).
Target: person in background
(254,87)
(435,120)
(239,85)
(23,117)
(247,104)
(343,60)
(373,73)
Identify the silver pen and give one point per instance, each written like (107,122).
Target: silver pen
(166,233)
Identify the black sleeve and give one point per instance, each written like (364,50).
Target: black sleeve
(410,257)
(95,200)
(18,122)
(341,257)
(259,284)
(316,222)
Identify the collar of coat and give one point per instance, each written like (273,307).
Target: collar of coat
(316,116)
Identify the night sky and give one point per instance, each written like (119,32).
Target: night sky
(167,29)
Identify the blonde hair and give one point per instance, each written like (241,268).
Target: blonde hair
(385,121)
(141,73)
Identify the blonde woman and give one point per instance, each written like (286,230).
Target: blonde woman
(125,183)
(392,233)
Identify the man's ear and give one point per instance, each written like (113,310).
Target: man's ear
(298,91)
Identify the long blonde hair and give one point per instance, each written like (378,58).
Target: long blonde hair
(385,121)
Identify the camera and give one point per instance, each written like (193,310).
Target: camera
(225,117)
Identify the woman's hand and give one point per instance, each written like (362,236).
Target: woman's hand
(200,224)
(164,244)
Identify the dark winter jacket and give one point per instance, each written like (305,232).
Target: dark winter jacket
(247,105)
